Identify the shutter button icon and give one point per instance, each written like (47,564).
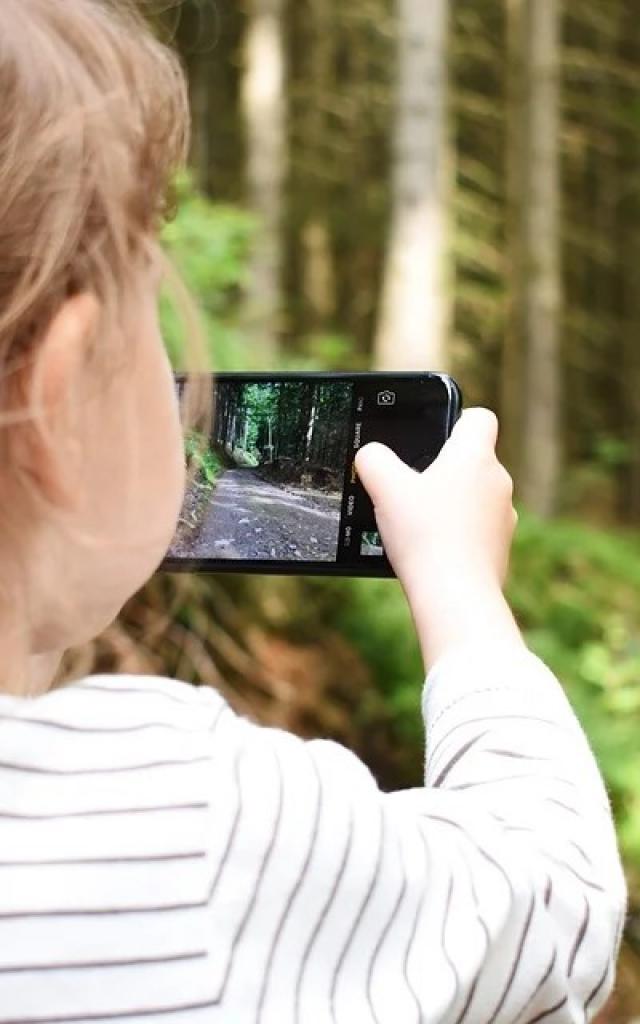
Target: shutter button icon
(387,398)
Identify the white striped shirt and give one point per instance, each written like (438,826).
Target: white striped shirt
(162,859)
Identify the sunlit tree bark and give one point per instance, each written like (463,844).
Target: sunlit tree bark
(538,239)
(414,313)
(265,110)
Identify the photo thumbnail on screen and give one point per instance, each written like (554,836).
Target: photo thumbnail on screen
(371,544)
(270,479)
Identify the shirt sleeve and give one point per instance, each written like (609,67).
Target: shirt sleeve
(492,894)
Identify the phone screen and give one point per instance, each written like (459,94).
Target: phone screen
(276,488)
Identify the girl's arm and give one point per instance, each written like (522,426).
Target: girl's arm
(493,894)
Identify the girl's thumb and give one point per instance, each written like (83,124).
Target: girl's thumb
(381,471)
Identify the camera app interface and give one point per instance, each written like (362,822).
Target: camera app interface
(275,481)
(271,479)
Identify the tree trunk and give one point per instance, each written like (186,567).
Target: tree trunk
(512,369)
(540,243)
(201,115)
(319,283)
(265,110)
(631,369)
(312,425)
(627,241)
(319,275)
(414,315)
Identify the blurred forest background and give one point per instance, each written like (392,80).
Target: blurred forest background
(447,185)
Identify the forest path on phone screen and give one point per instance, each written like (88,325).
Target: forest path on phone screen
(249,518)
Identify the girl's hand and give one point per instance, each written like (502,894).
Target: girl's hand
(448,531)
(457,512)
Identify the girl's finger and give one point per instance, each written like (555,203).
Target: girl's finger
(380,470)
(477,429)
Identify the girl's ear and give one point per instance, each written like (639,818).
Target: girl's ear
(48,446)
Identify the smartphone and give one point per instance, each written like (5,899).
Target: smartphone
(276,489)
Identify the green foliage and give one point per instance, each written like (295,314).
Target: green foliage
(209,242)
(611,452)
(374,617)
(328,351)
(199,454)
(260,404)
(575,591)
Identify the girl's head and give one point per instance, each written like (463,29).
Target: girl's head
(93,123)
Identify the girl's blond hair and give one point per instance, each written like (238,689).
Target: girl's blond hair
(93,122)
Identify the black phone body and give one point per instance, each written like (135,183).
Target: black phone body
(277,492)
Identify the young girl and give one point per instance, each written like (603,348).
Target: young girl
(162,859)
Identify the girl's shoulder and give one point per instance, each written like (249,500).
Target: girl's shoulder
(120,730)
(118,702)
(147,688)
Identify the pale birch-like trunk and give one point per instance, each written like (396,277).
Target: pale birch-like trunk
(265,110)
(312,426)
(541,256)
(414,313)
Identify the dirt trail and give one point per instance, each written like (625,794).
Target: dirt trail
(250,518)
